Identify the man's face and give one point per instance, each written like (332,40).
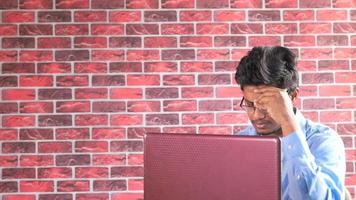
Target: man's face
(260,119)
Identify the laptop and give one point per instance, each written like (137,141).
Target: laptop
(211,167)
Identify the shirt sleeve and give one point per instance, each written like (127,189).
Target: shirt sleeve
(315,170)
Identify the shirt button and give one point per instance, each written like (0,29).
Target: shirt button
(289,146)
(298,177)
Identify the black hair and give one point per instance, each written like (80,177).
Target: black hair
(274,66)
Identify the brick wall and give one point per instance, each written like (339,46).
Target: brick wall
(83,80)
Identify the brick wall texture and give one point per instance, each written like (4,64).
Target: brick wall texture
(82,80)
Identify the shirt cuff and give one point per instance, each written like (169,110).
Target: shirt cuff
(295,145)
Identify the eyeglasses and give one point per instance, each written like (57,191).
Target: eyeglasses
(251,108)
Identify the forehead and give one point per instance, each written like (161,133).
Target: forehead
(249,93)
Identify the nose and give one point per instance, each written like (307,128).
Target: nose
(258,114)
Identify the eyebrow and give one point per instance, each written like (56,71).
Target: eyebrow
(248,101)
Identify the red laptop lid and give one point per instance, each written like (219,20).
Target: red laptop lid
(211,167)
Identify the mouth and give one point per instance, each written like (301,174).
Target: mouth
(261,125)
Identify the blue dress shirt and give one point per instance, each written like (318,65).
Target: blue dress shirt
(313,162)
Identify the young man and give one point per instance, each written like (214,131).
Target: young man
(313,156)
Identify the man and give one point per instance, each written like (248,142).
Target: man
(313,157)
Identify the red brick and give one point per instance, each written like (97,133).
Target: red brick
(136,184)
(91,172)
(109,106)
(8,161)
(107,29)
(229,41)
(19,197)
(108,80)
(179,105)
(135,159)
(226,15)
(91,146)
(126,93)
(137,4)
(333,40)
(314,3)
(8,4)
(196,41)
(72,106)
(212,29)
(6,108)
(138,133)
(160,42)
(264,40)
(333,65)
(109,185)
(18,147)
(215,105)
(108,133)
(178,80)
(246,3)
(144,106)
(73,186)
(54,68)
(35,29)
(161,93)
(125,16)
(212,4)
(335,116)
(127,196)
(218,130)
(318,104)
(306,66)
(334,90)
(55,147)
(308,78)
(18,16)
(18,94)
(91,67)
(160,16)
(160,67)
(191,130)
(203,118)
(47,94)
(8,134)
(91,120)
(232,118)
(309,28)
(69,81)
(57,42)
(36,4)
(36,134)
(312,53)
(55,172)
(211,54)
(178,4)
(345,77)
(179,54)
(218,79)
(300,41)
(346,128)
(8,56)
(343,3)
(36,186)
(137,80)
(20,42)
(95,196)
(228,92)
(346,103)
(107,55)
(246,28)
(55,196)
(79,4)
(142,29)
(342,53)
(36,81)
(264,15)
(8,186)
(281,4)
(194,16)
(55,120)
(353,40)
(196,66)
(133,55)
(8,81)
(73,160)
(18,121)
(197,92)
(35,55)
(127,171)
(128,42)
(298,15)
(177,29)
(72,55)
(281,28)
(91,93)
(109,159)
(305,91)
(72,29)
(72,133)
(126,119)
(107,4)
(18,173)
(8,29)
(90,16)
(331,15)
(162,119)
(54,16)
(36,160)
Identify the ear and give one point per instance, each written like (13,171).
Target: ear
(294,94)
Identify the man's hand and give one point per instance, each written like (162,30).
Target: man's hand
(279,106)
